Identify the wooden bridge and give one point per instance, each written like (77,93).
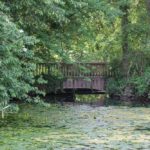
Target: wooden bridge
(78,78)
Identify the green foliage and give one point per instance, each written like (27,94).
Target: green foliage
(16,61)
(54,81)
(87,29)
(70,31)
(115,86)
(141,84)
(51,21)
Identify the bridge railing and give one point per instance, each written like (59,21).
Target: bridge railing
(72,70)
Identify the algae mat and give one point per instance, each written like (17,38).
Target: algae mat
(76,127)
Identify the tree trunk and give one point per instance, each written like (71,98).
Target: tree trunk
(125,44)
(147,3)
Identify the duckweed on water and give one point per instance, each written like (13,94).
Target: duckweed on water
(76,127)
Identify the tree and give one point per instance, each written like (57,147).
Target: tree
(49,21)
(115,31)
(16,60)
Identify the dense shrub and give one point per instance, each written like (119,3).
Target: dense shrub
(16,61)
(115,86)
(141,84)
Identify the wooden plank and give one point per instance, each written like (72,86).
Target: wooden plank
(75,74)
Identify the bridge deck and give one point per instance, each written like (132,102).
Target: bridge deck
(76,77)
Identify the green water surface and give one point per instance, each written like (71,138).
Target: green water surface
(76,127)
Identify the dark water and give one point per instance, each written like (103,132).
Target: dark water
(77,127)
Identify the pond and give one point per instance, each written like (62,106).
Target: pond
(76,127)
